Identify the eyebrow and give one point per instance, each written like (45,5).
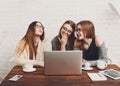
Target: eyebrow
(70,31)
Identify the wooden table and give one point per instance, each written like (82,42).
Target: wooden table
(38,78)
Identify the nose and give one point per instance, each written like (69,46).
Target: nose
(40,29)
(66,32)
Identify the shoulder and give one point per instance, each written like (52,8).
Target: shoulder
(55,39)
(98,41)
(20,43)
(45,40)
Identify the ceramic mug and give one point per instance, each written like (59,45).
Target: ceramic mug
(87,65)
(28,67)
(101,64)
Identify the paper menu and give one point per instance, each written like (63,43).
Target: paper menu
(97,77)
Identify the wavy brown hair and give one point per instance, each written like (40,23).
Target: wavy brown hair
(29,40)
(87,28)
(88,31)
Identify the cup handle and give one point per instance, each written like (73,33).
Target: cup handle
(106,64)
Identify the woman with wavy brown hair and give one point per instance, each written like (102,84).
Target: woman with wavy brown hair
(86,40)
(30,49)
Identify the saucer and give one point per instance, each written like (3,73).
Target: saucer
(30,70)
(87,68)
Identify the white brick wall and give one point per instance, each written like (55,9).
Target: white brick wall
(16,15)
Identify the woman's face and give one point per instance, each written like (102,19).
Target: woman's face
(38,29)
(66,30)
(79,33)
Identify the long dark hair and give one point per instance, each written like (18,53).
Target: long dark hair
(29,40)
(71,37)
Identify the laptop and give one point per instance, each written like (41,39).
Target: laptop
(63,62)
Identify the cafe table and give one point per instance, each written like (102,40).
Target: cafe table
(37,78)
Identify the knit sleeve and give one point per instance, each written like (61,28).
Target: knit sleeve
(54,44)
(102,53)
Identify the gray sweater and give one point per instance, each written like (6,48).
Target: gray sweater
(103,53)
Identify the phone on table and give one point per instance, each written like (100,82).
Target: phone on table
(16,77)
(114,74)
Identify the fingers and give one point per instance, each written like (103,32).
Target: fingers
(65,37)
(63,40)
(77,35)
(59,39)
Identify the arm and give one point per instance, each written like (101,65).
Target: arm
(63,42)
(103,53)
(23,59)
(98,41)
(54,44)
(102,50)
(48,46)
(20,61)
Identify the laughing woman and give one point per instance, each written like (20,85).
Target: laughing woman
(31,47)
(65,39)
(92,46)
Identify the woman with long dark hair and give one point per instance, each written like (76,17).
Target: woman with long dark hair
(31,47)
(65,39)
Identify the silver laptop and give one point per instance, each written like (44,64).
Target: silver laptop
(63,62)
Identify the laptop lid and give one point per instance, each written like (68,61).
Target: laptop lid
(63,62)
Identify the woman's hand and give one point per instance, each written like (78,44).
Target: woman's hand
(63,41)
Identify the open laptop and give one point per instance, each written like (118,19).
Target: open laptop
(63,62)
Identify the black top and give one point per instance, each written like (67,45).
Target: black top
(92,52)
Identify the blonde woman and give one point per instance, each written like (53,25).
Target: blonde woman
(31,47)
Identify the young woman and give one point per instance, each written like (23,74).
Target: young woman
(86,39)
(65,39)
(31,47)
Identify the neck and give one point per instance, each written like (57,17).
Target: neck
(88,41)
(37,38)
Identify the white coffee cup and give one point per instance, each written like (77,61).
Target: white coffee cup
(101,64)
(87,65)
(28,67)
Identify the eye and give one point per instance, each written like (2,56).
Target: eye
(40,26)
(78,29)
(69,31)
(65,28)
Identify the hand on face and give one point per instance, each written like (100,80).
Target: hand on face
(64,39)
(77,35)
